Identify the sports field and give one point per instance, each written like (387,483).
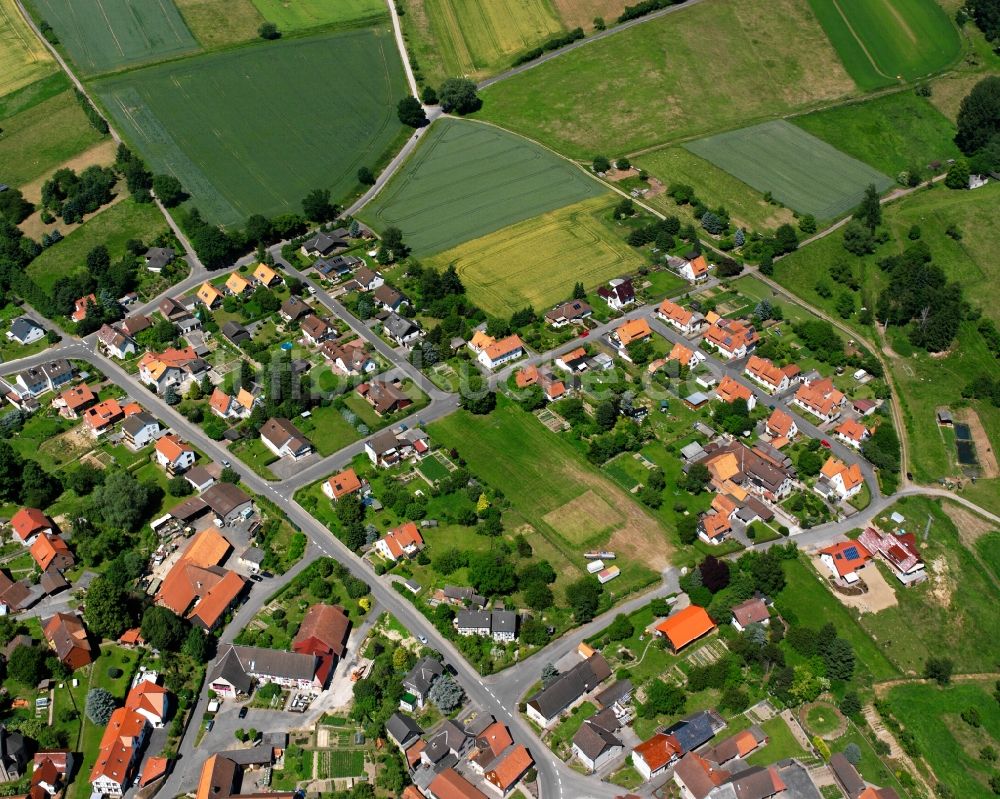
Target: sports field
(103,35)
(253,130)
(467,180)
(474,38)
(23,58)
(658,82)
(217,23)
(292,15)
(890,133)
(885,41)
(536,262)
(801,171)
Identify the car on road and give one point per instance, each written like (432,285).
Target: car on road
(584,333)
(226,463)
(209,724)
(824,443)
(243,712)
(422,639)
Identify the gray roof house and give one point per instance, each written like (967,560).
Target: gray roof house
(25,330)
(403,730)
(158,257)
(450,739)
(421,677)
(236,333)
(546,705)
(238,664)
(399,329)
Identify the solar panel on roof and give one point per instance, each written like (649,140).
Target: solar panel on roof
(852,553)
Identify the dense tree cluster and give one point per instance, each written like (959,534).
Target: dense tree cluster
(459,95)
(70,196)
(24,481)
(552,43)
(979,114)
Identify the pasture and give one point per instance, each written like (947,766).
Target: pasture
(656,82)
(105,35)
(293,15)
(714,187)
(473,38)
(253,130)
(217,23)
(23,58)
(890,133)
(537,261)
(467,179)
(801,171)
(541,474)
(581,13)
(882,42)
(43,127)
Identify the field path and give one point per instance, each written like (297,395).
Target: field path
(861,44)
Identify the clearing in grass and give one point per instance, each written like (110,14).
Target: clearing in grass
(891,133)
(39,136)
(714,187)
(23,58)
(112,227)
(217,23)
(189,118)
(474,38)
(536,262)
(105,35)
(882,42)
(540,473)
(468,179)
(950,745)
(801,171)
(303,14)
(656,82)
(581,13)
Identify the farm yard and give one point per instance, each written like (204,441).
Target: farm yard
(801,171)
(882,42)
(594,100)
(106,35)
(181,116)
(473,38)
(303,14)
(467,180)
(23,59)
(891,133)
(536,262)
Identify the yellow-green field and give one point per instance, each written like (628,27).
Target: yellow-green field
(23,58)
(536,262)
(714,187)
(474,38)
(217,23)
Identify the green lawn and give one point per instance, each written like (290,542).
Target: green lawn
(104,35)
(467,180)
(884,41)
(781,744)
(255,455)
(327,430)
(566,729)
(951,746)
(652,83)
(301,14)
(891,133)
(800,170)
(194,119)
(954,610)
(872,767)
(988,547)
(806,600)
(747,207)
(112,227)
(43,127)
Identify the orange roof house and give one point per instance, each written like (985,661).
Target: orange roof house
(781,425)
(51,550)
(500,351)
(264,274)
(821,398)
(75,399)
(405,540)
(30,522)
(527,376)
(729,390)
(237,284)
(685,355)
(324,632)
(480,340)
(449,784)
(209,294)
(155,768)
(715,527)
(150,700)
(652,756)
(675,314)
(633,330)
(198,579)
(508,771)
(685,626)
(767,373)
(731,337)
(340,485)
(698,267)
(846,480)
(852,432)
(217,600)
(118,755)
(103,415)
(844,559)
(80,307)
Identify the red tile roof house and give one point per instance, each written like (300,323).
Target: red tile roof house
(773,378)
(852,433)
(729,390)
(695,270)
(843,480)
(74,400)
(324,632)
(503,776)
(404,541)
(652,757)
(28,524)
(781,425)
(714,528)
(687,322)
(102,417)
(174,455)
(844,559)
(385,398)
(51,550)
(120,751)
(732,338)
(80,307)
(343,484)
(70,640)
(899,552)
(449,784)
(149,700)
(685,627)
(753,611)
(502,351)
(821,399)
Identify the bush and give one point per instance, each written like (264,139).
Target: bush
(268,31)
(100,705)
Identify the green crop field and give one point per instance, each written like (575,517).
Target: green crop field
(656,82)
(23,58)
(217,23)
(300,14)
(891,133)
(103,35)
(474,38)
(801,171)
(253,130)
(747,207)
(467,180)
(884,41)
(536,262)
(950,745)
(43,126)
(111,227)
